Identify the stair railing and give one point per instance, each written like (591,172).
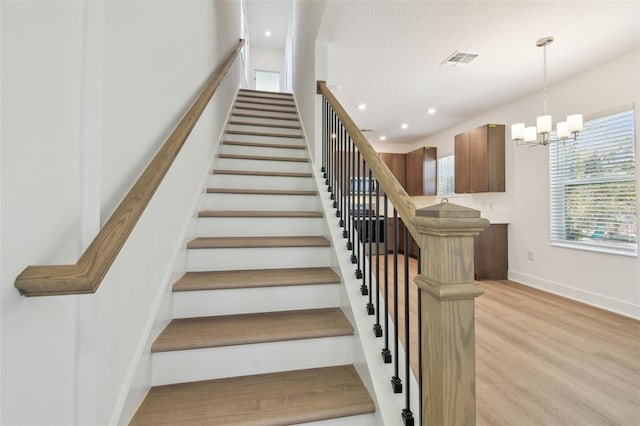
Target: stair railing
(445,357)
(86,275)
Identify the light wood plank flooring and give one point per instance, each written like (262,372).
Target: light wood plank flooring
(545,360)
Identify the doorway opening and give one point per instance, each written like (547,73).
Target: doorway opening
(269,81)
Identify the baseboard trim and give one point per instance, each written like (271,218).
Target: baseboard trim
(617,306)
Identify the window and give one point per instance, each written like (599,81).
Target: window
(593,187)
(446,176)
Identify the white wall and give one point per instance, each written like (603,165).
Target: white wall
(122,73)
(307,16)
(264,59)
(605,280)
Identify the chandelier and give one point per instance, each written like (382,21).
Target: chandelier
(539,134)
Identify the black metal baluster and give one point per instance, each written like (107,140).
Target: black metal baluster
(337,189)
(352,192)
(345,182)
(370,236)
(359,209)
(377,328)
(325,121)
(330,142)
(407,415)
(396,383)
(349,226)
(386,353)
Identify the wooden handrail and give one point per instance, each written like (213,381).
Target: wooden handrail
(390,185)
(87,274)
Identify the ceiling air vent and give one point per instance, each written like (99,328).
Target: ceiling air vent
(459,58)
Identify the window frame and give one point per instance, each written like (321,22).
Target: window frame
(560,187)
(441,170)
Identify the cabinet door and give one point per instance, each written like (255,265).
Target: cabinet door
(461,160)
(414,172)
(478,168)
(395,163)
(491,253)
(495,159)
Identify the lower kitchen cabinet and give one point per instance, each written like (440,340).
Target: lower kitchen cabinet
(491,253)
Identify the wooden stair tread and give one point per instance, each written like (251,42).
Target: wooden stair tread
(260,191)
(283,398)
(264,145)
(263,158)
(257,124)
(244,329)
(266,134)
(267,92)
(257,242)
(269,117)
(284,104)
(261,173)
(260,213)
(275,98)
(218,280)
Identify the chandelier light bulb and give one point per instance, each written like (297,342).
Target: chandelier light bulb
(517,131)
(543,124)
(574,123)
(562,130)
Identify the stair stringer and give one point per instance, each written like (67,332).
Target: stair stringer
(375,374)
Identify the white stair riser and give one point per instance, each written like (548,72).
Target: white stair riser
(262,165)
(263,151)
(259,227)
(266,129)
(236,117)
(242,360)
(267,94)
(217,180)
(253,109)
(282,107)
(248,300)
(261,202)
(257,258)
(261,139)
(361,420)
(285,102)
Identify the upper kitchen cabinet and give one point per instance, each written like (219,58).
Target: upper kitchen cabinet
(395,163)
(421,171)
(479,159)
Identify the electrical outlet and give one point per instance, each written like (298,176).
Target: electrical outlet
(530,254)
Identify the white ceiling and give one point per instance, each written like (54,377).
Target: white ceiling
(387,54)
(268,15)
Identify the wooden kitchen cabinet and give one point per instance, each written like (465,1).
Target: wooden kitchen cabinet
(491,253)
(479,159)
(395,163)
(422,171)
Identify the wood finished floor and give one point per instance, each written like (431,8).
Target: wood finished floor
(545,360)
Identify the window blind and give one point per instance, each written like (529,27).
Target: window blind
(446,175)
(593,187)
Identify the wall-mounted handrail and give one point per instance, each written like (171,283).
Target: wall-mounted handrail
(387,181)
(86,275)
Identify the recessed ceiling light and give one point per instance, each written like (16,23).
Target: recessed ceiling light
(404,125)
(431,111)
(362,107)
(383,138)
(267,33)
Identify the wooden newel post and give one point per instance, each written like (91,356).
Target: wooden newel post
(448,325)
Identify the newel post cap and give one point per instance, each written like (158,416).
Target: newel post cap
(449,218)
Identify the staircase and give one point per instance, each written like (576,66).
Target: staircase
(258,337)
